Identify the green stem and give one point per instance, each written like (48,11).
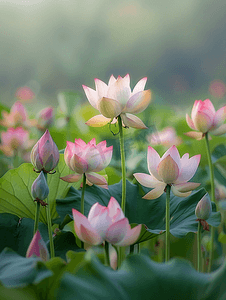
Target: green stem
(83,193)
(49,223)
(37,213)
(212,197)
(131,249)
(167,252)
(123,164)
(211,249)
(107,257)
(211,168)
(83,200)
(199,252)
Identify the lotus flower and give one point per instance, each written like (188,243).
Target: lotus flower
(87,158)
(205,119)
(45,118)
(24,93)
(39,188)
(105,224)
(204,208)
(17,116)
(38,247)
(170,169)
(45,154)
(15,139)
(166,137)
(117,99)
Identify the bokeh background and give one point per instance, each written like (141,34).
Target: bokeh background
(51,46)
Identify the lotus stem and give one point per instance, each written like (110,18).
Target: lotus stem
(49,223)
(167,250)
(212,198)
(83,200)
(199,252)
(37,213)
(107,257)
(123,164)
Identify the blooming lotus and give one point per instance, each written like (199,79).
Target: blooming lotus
(166,137)
(38,247)
(17,116)
(205,119)
(170,169)
(15,139)
(45,154)
(87,159)
(117,99)
(105,224)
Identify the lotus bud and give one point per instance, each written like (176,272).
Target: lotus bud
(38,247)
(45,117)
(39,188)
(204,208)
(45,154)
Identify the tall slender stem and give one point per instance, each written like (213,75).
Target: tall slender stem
(107,257)
(83,193)
(167,252)
(123,164)
(49,223)
(212,197)
(199,252)
(37,213)
(83,200)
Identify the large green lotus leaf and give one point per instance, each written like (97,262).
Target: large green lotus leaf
(17,233)
(141,211)
(15,190)
(141,278)
(16,270)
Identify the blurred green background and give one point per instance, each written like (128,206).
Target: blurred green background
(58,45)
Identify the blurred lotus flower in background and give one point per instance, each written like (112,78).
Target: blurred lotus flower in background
(217,88)
(45,118)
(167,137)
(38,247)
(39,188)
(117,99)
(105,224)
(24,93)
(170,169)
(205,119)
(14,140)
(203,209)
(45,154)
(87,158)
(17,116)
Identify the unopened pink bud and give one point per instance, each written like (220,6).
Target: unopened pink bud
(45,117)
(39,188)
(45,154)
(38,247)
(204,208)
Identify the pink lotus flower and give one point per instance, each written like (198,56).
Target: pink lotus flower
(45,118)
(45,154)
(205,119)
(105,224)
(87,158)
(38,247)
(166,137)
(17,116)
(170,169)
(117,99)
(24,93)
(15,139)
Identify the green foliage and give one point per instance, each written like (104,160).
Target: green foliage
(151,213)
(141,278)
(15,190)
